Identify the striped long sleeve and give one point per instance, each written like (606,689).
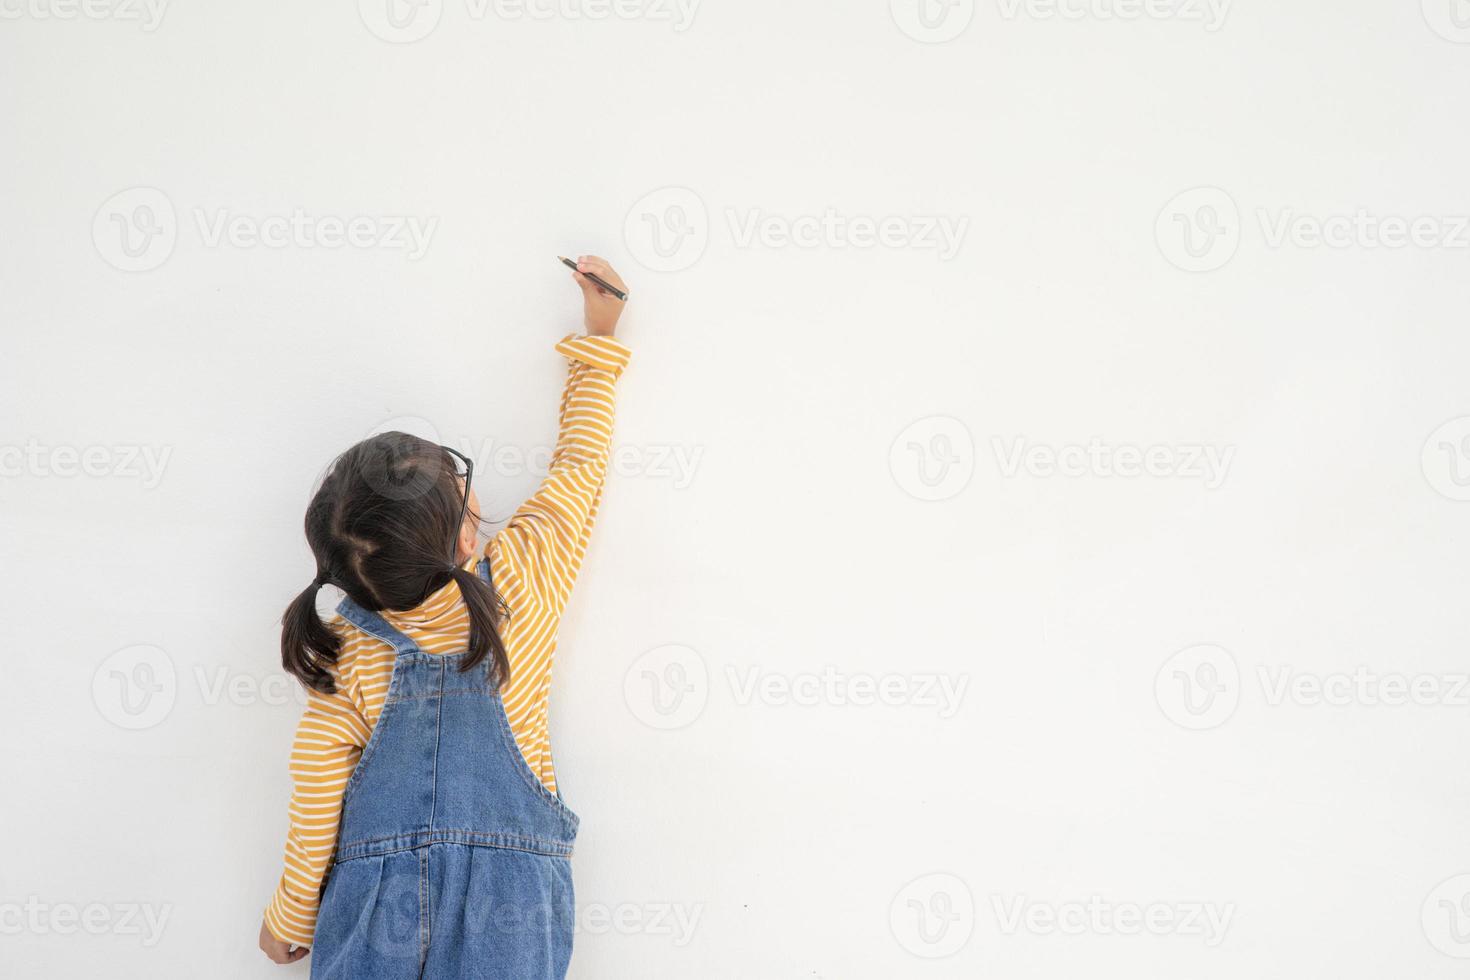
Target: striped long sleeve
(329,741)
(543,546)
(534,562)
(535,559)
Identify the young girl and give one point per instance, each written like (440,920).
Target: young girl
(422,767)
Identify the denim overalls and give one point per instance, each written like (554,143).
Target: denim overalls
(453,859)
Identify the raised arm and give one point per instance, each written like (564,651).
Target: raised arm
(543,545)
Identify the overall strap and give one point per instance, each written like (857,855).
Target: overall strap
(371,623)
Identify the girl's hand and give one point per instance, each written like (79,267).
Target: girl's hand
(601,308)
(278,951)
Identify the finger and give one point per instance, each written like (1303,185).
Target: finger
(604,272)
(298,953)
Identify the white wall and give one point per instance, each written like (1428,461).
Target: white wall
(807,385)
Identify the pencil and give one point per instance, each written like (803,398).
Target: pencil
(600,281)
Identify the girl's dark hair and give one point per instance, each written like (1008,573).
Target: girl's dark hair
(384,527)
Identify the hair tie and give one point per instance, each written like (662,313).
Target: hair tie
(320,580)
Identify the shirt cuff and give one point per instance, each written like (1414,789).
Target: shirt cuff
(289,921)
(607,353)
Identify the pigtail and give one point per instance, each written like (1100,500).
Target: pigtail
(307,644)
(487,611)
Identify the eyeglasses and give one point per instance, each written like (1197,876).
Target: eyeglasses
(464,511)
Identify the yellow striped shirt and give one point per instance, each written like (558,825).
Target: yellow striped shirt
(533,561)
